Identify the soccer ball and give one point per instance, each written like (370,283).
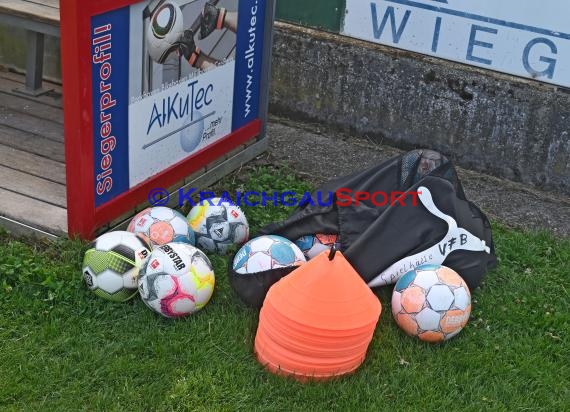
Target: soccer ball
(218,224)
(160,225)
(164,31)
(312,245)
(110,265)
(265,253)
(431,302)
(176,280)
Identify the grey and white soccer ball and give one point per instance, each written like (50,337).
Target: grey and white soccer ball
(218,224)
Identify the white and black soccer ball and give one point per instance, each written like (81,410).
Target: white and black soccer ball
(165,29)
(160,225)
(176,280)
(110,265)
(218,224)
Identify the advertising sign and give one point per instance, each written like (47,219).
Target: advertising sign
(529,39)
(155,90)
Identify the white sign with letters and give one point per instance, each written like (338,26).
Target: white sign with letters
(524,38)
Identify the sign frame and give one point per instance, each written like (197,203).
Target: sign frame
(84,217)
(529,41)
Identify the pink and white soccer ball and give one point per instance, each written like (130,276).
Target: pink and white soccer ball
(176,280)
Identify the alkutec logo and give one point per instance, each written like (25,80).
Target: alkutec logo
(342,198)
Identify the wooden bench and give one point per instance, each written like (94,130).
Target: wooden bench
(38,18)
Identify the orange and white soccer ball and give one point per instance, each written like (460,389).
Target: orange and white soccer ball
(161,225)
(431,302)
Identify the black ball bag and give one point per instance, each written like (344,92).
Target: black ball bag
(435,225)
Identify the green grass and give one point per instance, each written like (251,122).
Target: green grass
(62,348)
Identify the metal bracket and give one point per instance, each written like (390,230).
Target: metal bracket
(34,65)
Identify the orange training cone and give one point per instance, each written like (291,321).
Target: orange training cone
(317,322)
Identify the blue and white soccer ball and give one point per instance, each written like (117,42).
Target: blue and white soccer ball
(312,245)
(265,253)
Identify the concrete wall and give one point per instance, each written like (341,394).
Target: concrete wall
(490,122)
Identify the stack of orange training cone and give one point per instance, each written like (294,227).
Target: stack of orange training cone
(318,321)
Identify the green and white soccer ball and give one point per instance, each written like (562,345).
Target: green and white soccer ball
(111,265)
